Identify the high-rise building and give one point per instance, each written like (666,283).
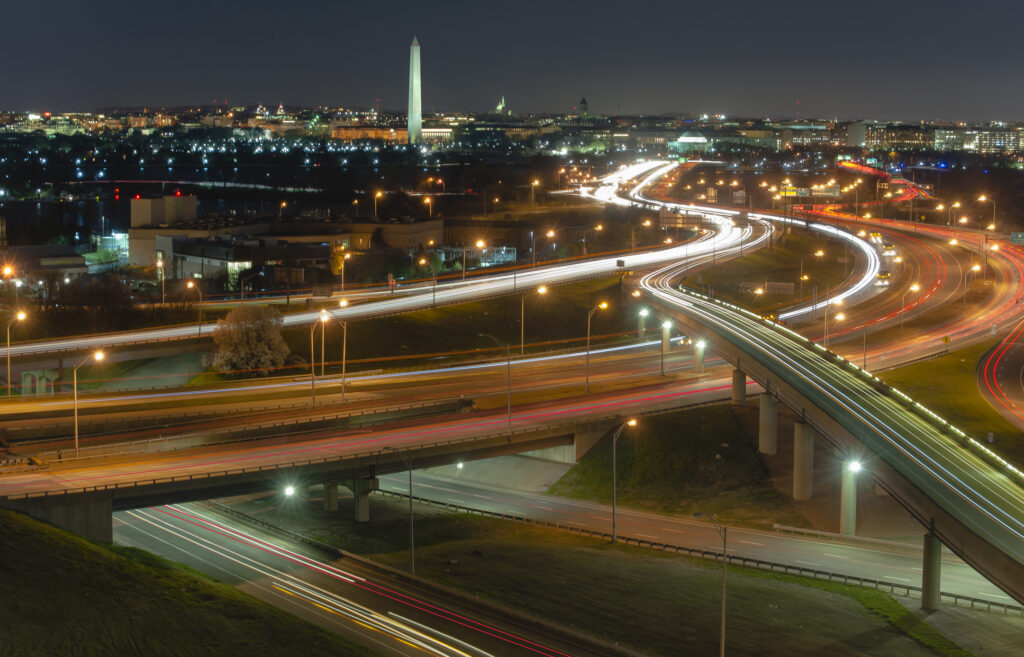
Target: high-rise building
(415,102)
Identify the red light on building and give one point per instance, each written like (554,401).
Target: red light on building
(138,197)
(177,192)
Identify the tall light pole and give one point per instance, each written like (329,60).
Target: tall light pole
(984,198)
(163,289)
(508,375)
(312,355)
(412,542)
(666,326)
(198,288)
(433,275)
(533,186)
(97,357)
(641,329)
(631,422)
(838,317)
(344,346)
(974,269)
(913,288)
(725,559)
(345,257)
(376,197)
(18,317)
(430,208)
(542,290)
(601,306)
(355,202)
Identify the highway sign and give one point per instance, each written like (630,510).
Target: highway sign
(1016,238)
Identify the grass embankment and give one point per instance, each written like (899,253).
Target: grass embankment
(62,595)
(697,460)
(779,264)
(449,332)
(653,602)
(948,385)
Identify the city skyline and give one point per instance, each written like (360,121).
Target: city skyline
(748,60)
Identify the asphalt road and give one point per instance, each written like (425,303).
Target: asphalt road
(388,612)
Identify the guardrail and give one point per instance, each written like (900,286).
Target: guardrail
(713,555)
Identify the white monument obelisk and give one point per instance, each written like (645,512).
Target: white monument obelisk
(415,129)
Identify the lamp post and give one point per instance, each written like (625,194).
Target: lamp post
(725,558)
(631,422)
(666,326)
(601,306)
(641,328)
(433,275)
(430,208)
(508,375)
(974,269)
(355,202)
(838,317)
(97,357)
(163,289)
(198,288)
(984,198)
(344,346)
(479,245)
(312,355)
(533,186)
(376,196)
(913,288)
(597,229)
(412,543)
(18,317)
(542,290)
(345,257)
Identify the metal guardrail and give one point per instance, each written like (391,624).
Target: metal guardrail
(844,538)
(713,555)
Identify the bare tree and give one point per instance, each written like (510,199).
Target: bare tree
(249,339)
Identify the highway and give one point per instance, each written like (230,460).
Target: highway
(389,613)
(986,500)
(847,558)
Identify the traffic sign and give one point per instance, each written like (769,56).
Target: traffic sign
(945,339)
(1016,238)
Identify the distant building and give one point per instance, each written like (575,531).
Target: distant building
(899,137)
(43,261)
(163,210)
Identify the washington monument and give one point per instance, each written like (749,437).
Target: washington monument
(415,102)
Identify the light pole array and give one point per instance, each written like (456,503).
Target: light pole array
(601,306)
(97,357)
(18,317)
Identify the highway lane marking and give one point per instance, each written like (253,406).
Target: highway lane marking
(902,579)
(646,535)
(807,562)
(750,543)
(994,595)
(837,556)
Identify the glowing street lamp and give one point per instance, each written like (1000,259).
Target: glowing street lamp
(601,306)
(838,317)
(913,288)
(433,274)
(18,317)
(379,195)
(430,208)
(533,186)
(345,257)
(192,285)
(542,290)
(631,422)
(96,357)
(479,245)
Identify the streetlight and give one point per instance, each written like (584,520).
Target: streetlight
(18,317)
(344,346)
(345,257)
(376,196)
(198,288)
(913,288)
(508,375)
(725,558)
(412,543)
(430,208)
(163,289)
(312,355)
(838,316)
(96,356)
(433,275)
(542,290)
(631,422)
(975,269)
(601,306)
(984,198)
(355,202)
(666,326)
(641,329)
(533,186)
(479,245)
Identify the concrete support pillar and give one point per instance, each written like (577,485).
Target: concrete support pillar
(739,387)
(330,497)
(361,489)
(768,425)
(848,501)
(803,461)
(931,573)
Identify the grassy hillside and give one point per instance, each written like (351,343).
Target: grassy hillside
(62,595)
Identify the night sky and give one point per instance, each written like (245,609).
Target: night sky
(887,60)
